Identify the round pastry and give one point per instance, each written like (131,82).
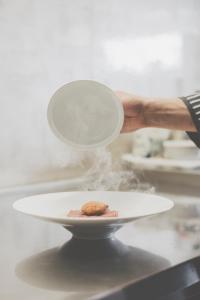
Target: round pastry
(94,208)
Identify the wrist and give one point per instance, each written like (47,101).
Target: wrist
(161,112)
(148,105)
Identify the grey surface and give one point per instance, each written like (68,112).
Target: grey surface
(38,262)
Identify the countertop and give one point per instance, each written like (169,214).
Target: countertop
(39,261)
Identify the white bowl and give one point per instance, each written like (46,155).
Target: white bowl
(85,114)
(130,206)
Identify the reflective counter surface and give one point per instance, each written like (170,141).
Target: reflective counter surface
(40,261)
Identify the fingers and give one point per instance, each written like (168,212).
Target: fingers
(129,104)
(128,125)
(133,111)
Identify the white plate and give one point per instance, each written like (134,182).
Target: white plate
(85,114)
(130,206)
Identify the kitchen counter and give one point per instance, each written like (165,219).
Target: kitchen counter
(39,261)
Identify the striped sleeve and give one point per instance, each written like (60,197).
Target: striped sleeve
(193,104)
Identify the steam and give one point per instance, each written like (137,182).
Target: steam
(100,172)
(105,175)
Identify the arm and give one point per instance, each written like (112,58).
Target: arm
(143,112)
(168,113)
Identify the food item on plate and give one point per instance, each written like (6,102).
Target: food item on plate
(93,208)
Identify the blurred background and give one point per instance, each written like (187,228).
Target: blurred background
(146,47)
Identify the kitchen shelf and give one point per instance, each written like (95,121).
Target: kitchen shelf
(163,164)
(166,177)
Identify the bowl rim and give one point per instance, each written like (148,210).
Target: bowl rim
(91,220)
(104,142)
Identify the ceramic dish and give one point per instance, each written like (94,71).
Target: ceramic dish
(130,206)
(85,114)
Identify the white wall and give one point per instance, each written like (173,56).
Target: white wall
(150,47)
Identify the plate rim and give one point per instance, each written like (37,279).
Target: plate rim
(78,220)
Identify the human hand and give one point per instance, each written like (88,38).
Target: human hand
(133,111)
(142,112)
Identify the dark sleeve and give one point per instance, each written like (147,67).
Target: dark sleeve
(193,104)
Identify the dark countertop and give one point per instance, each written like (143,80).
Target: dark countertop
(38,262)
